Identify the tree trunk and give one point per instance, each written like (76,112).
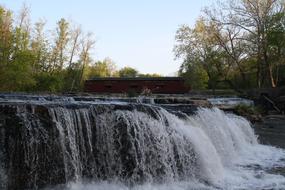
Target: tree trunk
(258,73)
(273,84)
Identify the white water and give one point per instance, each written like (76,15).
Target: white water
(227,151)
(209,150)
(230,101)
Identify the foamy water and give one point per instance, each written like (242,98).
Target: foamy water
(228,154)
(141,146)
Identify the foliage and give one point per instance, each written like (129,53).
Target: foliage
(105,68)
(239,44)
(49,83)
(196,76)
(149,75)
(128,72)
(30,61)
(34,59)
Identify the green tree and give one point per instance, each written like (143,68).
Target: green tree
(255,20)
(150,75)
(16,57)
(105,68)
(197,46)
(75,43)
(17,77)
(59,55)
(276,45)
(196,77)
(40,48)
(22,31)
(128,72)
(85,60)
(30,61)
(6,37)
(234,42)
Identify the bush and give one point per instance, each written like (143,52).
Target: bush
(49,83)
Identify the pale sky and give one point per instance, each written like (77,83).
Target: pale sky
(133,33)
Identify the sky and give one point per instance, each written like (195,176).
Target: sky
(134,33)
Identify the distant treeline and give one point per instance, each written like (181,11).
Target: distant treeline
(35,59)
(235,44)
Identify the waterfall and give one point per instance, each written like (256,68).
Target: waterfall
(50,143)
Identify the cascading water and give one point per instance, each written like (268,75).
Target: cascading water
(101,145)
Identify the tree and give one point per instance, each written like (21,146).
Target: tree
(239,42)
(87,44)
(62,38)
(255,20)
(18,76)
(198,49)
(74,38)
(150,75)
(30,61)
(22,31)
(196,77)
(40,48)
(6,36)
(15,57)
(276,45)
(128,72)
(105,68)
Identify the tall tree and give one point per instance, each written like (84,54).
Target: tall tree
(22,31)
(6,36)
(59,51)
(87,45)
(198,48)
(30,61)
(40,48)
(74,38)
(253,18)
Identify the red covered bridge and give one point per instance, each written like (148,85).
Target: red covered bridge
(158,85)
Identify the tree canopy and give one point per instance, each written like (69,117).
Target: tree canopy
(33,58)
(238,44)
(128,72)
